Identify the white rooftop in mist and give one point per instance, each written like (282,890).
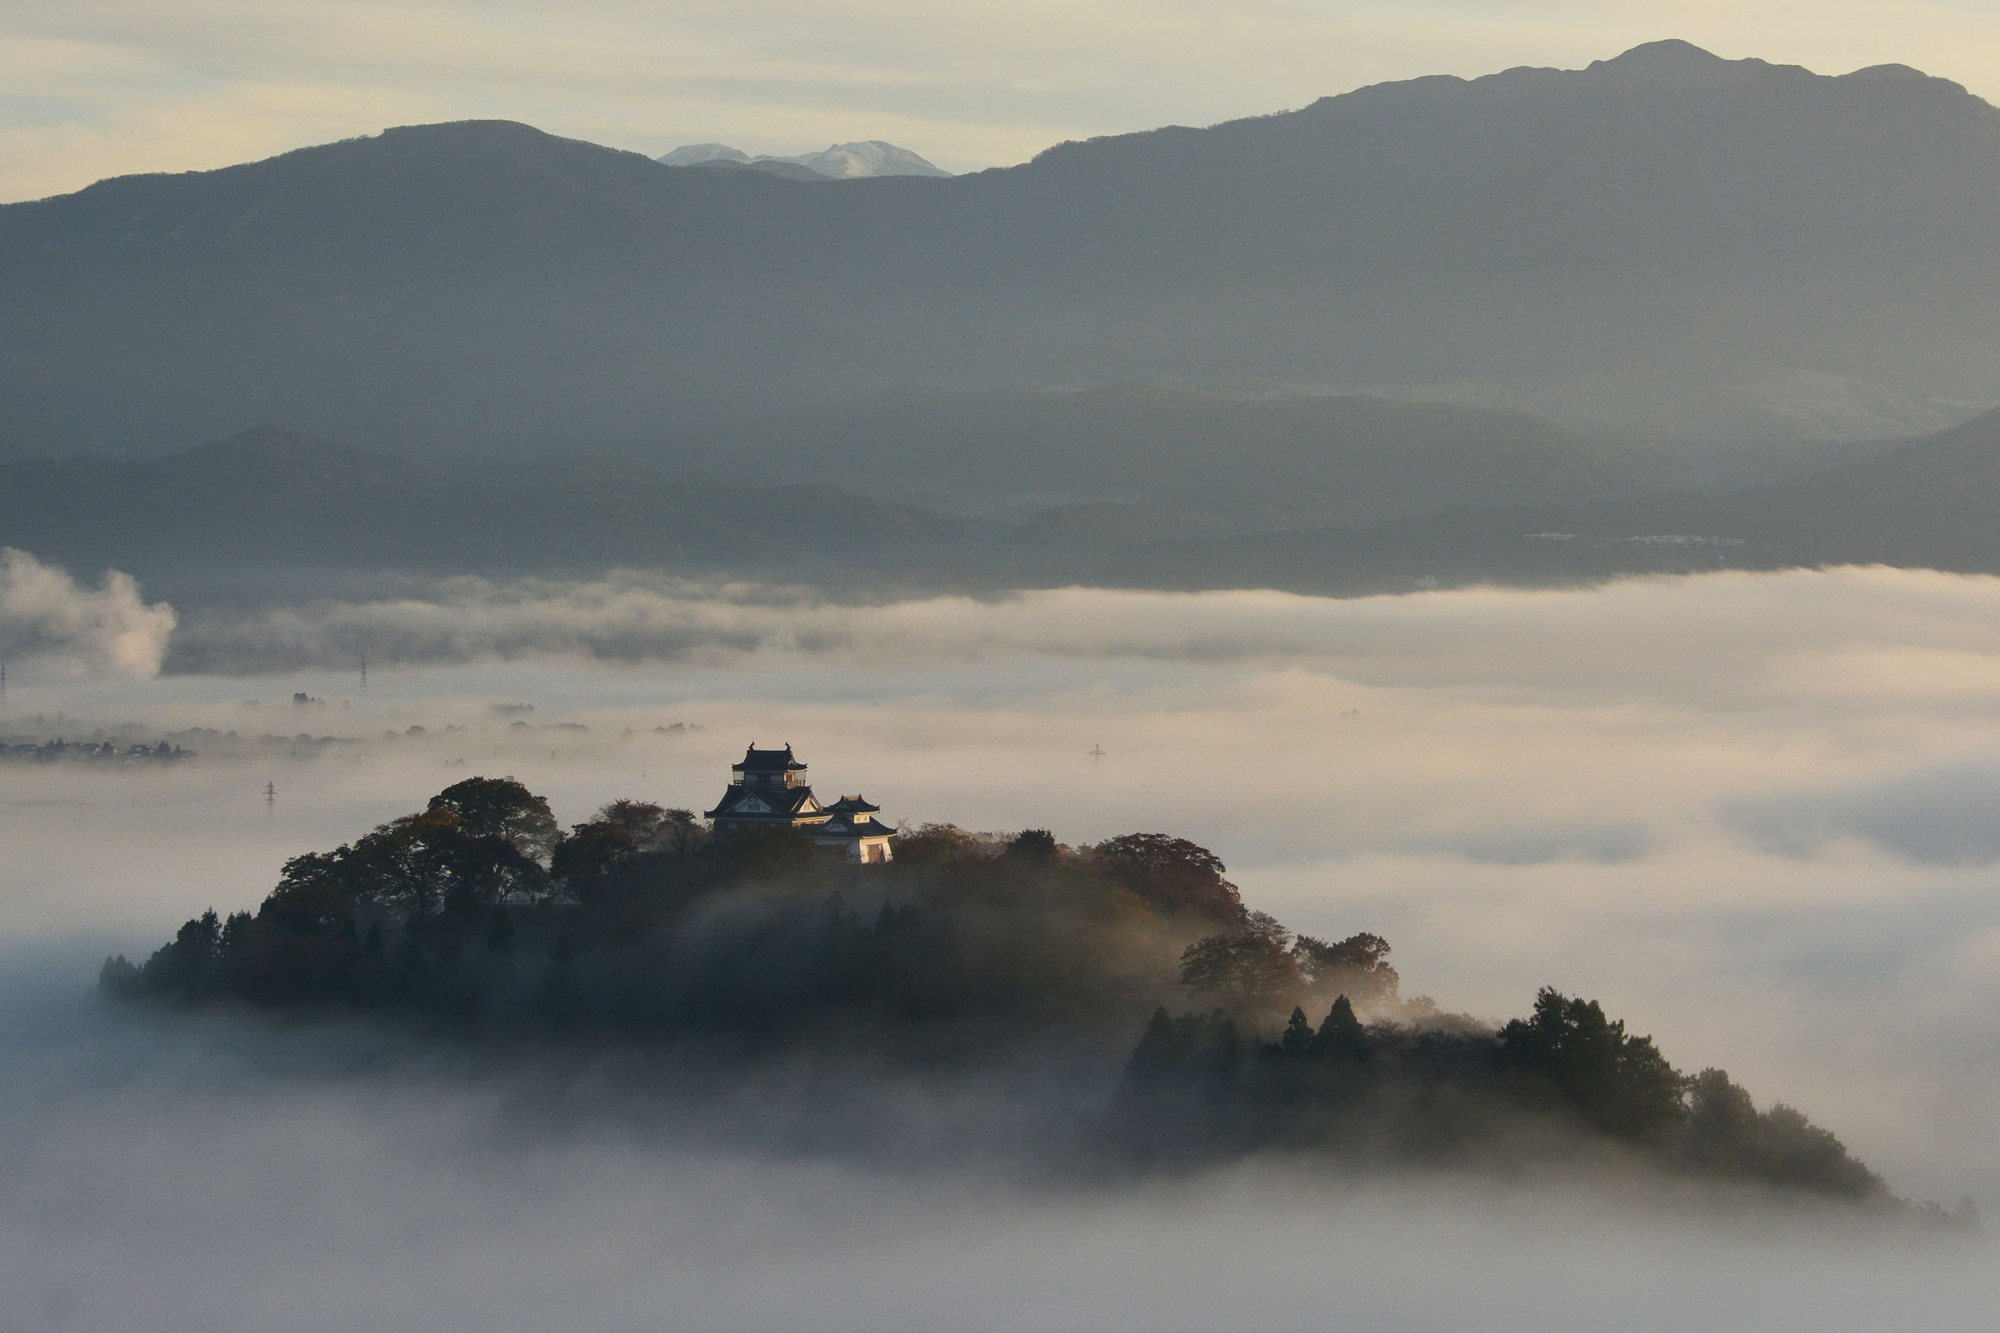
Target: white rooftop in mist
(841,161)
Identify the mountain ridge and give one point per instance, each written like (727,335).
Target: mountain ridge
(482,287)
(277,512)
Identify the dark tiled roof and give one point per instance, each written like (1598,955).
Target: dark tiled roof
(731,798)
(840,826)
(769,761)
(855,802)
(786,802)
(792,799)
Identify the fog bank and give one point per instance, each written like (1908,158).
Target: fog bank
(1751,814)
(1831,630)
(202,1176)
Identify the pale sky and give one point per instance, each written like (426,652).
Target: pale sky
(95,88)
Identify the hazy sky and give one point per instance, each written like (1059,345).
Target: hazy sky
(93,88)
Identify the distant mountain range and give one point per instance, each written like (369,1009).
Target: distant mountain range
(1662,244)
(1249,457)
(273,514)
(841,161)
(1932,503)
(273,511)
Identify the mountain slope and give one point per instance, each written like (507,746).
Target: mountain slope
(270,506)
(1264,459)
(1930,504)
(273,513)
(1665,218)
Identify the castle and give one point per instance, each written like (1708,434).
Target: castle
(768,790)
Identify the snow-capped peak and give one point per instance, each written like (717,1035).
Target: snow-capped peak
(841,161)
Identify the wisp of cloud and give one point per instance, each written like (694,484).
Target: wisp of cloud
(46,616)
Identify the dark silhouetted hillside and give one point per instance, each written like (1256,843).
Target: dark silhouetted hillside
(478,918)
(1928,504)
(1258,459)
(267,507)
(269,503)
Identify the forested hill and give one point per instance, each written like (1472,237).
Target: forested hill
(1482,497)
(480,916)
(1239,457)
(1925,504)
(1666,218)
(271,503)
(805,499)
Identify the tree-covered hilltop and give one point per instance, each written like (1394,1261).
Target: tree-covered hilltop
(480,913)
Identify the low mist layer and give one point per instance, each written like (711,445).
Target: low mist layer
(1712,637)
(211,1178)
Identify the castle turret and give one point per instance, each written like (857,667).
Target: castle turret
(768,789)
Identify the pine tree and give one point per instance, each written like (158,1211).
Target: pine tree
(1341,1036)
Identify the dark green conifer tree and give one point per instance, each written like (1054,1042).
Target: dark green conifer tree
(500,932)
(235,934)
(1340,1034)
(119,979)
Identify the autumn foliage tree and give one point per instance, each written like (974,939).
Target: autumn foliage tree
(1357,966)
(589,856)
(502,808)
(1250,966)
(1172,875)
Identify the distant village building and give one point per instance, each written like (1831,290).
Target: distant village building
(768,790)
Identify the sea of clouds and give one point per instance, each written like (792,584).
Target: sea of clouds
(1754,814)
